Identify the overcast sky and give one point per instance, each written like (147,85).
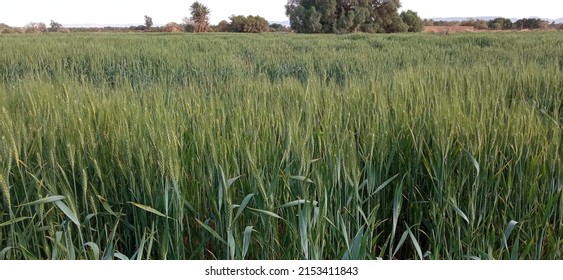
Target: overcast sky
(69,12)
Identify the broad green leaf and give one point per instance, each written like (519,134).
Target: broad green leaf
(298,202)
(13,221)
(401,241)
(460,213)
(44,200)
(303,219)
(355,251)
(95,249)
(89,217)
(4,252)
(147,208)
(68,212)
(475,163)
(232,180)
(106,206)
(414,242)
(266,212)
(212,231)
(120,256)
(246,240)
(507,232)
(231,244)
(384,184)
(396,207)
(301,178)
(243,206)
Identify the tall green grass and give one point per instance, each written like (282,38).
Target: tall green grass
(274,146)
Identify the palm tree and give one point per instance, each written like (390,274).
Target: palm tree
(200,16)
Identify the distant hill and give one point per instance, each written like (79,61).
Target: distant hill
(560,20)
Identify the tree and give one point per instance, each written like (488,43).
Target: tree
(148,22)
(237,23)
(256,24)
(343,16)
(413,21)
(500,23)
(531,23)
(36,27)
(250,24)
(188,24)
(55,26)
(223,26)
(200,16)
(476,23)
(277,27)
(172,27)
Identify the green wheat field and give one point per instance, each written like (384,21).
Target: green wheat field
(281,146)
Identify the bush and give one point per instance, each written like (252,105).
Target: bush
(36,27)
(413,21)
(250,24)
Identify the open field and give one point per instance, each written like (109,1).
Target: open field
(230,146)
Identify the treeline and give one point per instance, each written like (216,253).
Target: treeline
(33,27)
(306,16)
(223,26)
(346,16)
(499,23)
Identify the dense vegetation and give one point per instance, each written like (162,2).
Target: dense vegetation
(346,16)
(191,146)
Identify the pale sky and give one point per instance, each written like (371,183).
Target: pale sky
(71,12)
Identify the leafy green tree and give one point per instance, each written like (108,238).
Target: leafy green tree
(148,22)
(238,23)
(200,16)
(507,24)
(55,26)
(223,26)
(413,21)
(277,27)
(476,23)
(304,18)
(250,24)
(256,24)
(397,25)
(500,23)
(343,16)
(531,23)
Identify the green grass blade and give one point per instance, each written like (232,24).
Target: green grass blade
(120,256)
(384,184)
(212,231)
(231,244)
(44,200)
(95,249)
(414,242)
(246,240)
(460,213)
(301,178)
(71,215)
(147,208)
(13,221)
(298,202)
(242,206)
(266,212)
(507,232)
(401,242)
